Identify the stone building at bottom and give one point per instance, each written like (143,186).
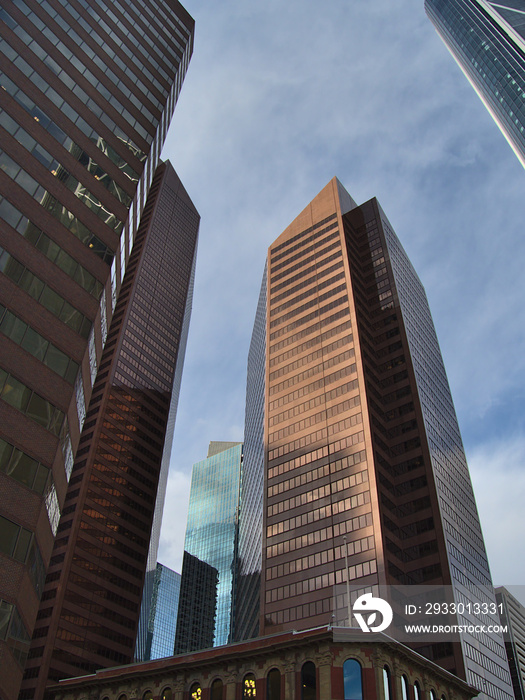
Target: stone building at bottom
(327,663)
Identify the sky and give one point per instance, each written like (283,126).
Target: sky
(279,97)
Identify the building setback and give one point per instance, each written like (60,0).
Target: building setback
(88,91)
(487,39)
(210,550)
(362,451)
(89,610)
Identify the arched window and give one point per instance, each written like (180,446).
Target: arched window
(417,691)
(147,695)
(387,683)
(432,695)
(308,681)
(443,697)
(216,690)
(167,694)
(404,687)
(273,685)
(123,697)
(195,692)
(353,680)
(248,686)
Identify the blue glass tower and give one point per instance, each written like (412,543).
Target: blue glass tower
(207,585)
(487,39)
(162,613)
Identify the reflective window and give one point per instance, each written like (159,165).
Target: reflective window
(404,687)
(417,691)
(387,683)
(353,682)
(148,695)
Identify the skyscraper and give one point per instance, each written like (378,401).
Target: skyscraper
(487,39)
(361,448)
(208,568)
(89,610)
(88,90)
(162,614)
(512,614)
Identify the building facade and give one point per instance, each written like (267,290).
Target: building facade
(88,90)
(210,548)
(363,457)
(513,616)
(89,610)
(162,614)
(322,664)
(487,39)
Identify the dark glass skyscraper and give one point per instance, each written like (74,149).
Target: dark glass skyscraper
(88,90)
(208,567)
(487,39)
(361,450)
(89,610)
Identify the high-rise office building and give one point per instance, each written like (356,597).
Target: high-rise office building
(362,450)
(487,39)
(162,614)
(208,568)
(88,90)
(89,610)
(512,614)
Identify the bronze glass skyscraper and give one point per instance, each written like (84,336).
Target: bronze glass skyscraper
(362,451)
(88,90)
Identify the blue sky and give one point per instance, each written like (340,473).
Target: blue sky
(280,97)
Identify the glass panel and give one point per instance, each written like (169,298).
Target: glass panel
(13,327)
(216,690)
(8,536)
(404,687)
(167,694)
(57,360)
(417,695)
(148,695)
(52,301)
(40,482)
(40,410)
(352,680)
(22,546)
(16,394)
(32,285)
(22,468)
(5,616)
(308,681)
(386,682)
(6,450)
(273,685)
(34,343)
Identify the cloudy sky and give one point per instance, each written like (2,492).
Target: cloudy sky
(281,96)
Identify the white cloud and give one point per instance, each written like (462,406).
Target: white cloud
(279,97)
(498,474)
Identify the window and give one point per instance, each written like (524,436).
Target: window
(167,694)
(417,691)
(308,681)
(387,684)
(248,686)
(273,685)
(404,687)
(216,690)
(353,682)
(195,692)
(147,695)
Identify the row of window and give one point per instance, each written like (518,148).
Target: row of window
(319,400)
(309,317)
